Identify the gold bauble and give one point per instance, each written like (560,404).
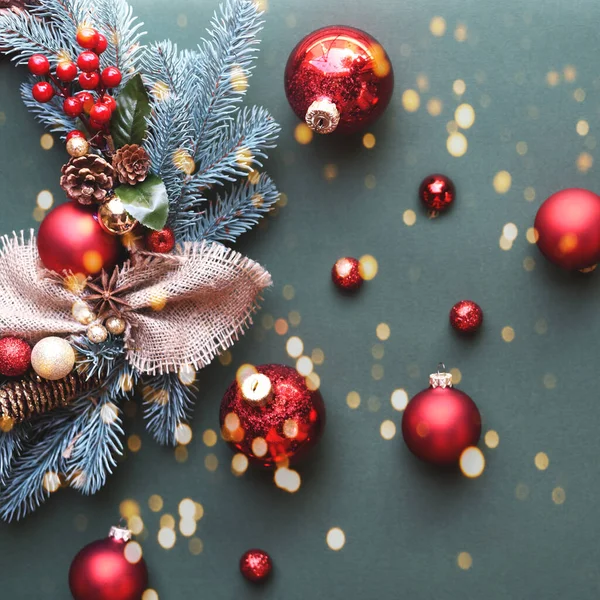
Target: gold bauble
(97,333)
(53,358)
(114,219)
(82,314)
(77,146)
(115,325)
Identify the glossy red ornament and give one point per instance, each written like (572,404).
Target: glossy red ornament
(256,565)
(271,416)
(162,241)
(89,81)
(338,79)
(66,71)
(101,570)
(440,422)
(346,274)
(567,227)
(437,192)
(71,239)
(15,356)
(111,77)
(466,316)
(38,64)
(42,92)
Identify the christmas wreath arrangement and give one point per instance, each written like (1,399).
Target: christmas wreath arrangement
(127,285)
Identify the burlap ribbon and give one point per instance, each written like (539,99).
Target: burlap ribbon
(184,308)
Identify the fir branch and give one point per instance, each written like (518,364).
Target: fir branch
(65,16)
(167,404)
(49,114)
(11,443)
(98,360)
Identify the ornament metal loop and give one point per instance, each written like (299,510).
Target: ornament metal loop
(323,116)
(120,534)
(257,389)
(441,378)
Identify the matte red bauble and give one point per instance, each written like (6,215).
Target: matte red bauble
(71,239)
(108,570)
(271,416)
(338,79)
(440,422)
(567,227)
(256,565)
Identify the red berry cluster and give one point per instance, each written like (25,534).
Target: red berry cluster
(94,100)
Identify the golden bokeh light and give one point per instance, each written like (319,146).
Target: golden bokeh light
(460,33)
(304,366)
(437,26)
(150,594)
(369,141)
(47,141)
(167,538)
(184,161)
(196,546)
(183,434)
(387,430)
(318,356)
(532,235)
(422,82)
(411,100)
(133,553)
(288,292)
(529,263)
(238,78)
(582,128)
(492,439)
(399,399)
(155,503)
(459,87)
(456,375)
(464,561)
(109,413)
(187,509)
(45,199)
(383,331)
(367,267)
(502,182)
(409,217)
(336,538)
(259,447)
(529,194)
(303,134)
(167,521)
(330,172)
(510,231)
(239,464)
(128,508)
(211,462)
(313,381)
(209,438)
(294,347)
(464,115)
(187,526)
(541,461)
(521,148)
(281,327)
(187,374)
(508,334)
(51,482)
(522,491)
(585,161)
(549,380)
(353,400)
(457,145)
(558,495)
(472,462)
(134,443)
(552,78)
(434,107)
(579,95)
(287,479)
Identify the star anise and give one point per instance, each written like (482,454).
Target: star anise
(106,294)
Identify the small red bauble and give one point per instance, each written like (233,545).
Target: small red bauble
(15,357)
(567,227)
(437,192)
(441,422)
(256,565)
(87,100)
(271,416)
(109,101)
(88,37)
(338,79)
(100,113)
(88,61)
(43,92)
(75,133)
(38,65)
(111,77)
(346,274)
(71,239)
(101,45)
(102,571)
(89,81)
(466,316)
(72,106)
(66,71)
(162,241)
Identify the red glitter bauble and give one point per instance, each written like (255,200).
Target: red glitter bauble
(15,357)
(71,239)
(440,422)
(466,316)
(567,227)
(346,274)
(271,416)
(437,192)
(162,241)
(102,571)
(338,79)
(256,565)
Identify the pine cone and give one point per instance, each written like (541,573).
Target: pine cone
(87,179)
(131,163)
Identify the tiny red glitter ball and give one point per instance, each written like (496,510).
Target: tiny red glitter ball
(437,192)
(162,241)
(15,357)
(256,565)
(346,274)
(466,316)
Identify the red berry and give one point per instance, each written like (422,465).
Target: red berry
(95,124)
(109,101)
(66,71)
(73,106)
(100,113)
(38,64)
(89,81)
(87,101)
(43,92)
(88,61)
(75,133)
(102,44)
(87,37)
(111,77)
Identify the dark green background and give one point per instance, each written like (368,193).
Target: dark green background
(405,524)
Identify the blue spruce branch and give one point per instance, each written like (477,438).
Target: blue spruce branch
(98,360)
(11,443)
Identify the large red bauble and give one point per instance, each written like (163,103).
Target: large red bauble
(568,228)
(338,78)
(70,239)
(271,416)
(439,423)
(101,571)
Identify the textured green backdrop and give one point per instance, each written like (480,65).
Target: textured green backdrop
(530,73)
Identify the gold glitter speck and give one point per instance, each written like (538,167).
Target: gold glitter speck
(303,134)
(369,141)
(409,217)
(47,141)
(383,331)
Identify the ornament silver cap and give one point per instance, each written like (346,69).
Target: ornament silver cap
(323,116)
(257,389)
(120,534)
(440,379)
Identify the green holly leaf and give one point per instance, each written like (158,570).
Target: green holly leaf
(147,201)
(128,125)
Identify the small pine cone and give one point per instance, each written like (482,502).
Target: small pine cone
(87,179)
(131,163)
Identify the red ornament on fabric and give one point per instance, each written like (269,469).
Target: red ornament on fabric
(104,570)
(71,239)
(466,316)
(15,356)
(256,565)
(567,228)
(346,274)
(440,422)
(338,79)
(162,241)
(271,416)
(437,192)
